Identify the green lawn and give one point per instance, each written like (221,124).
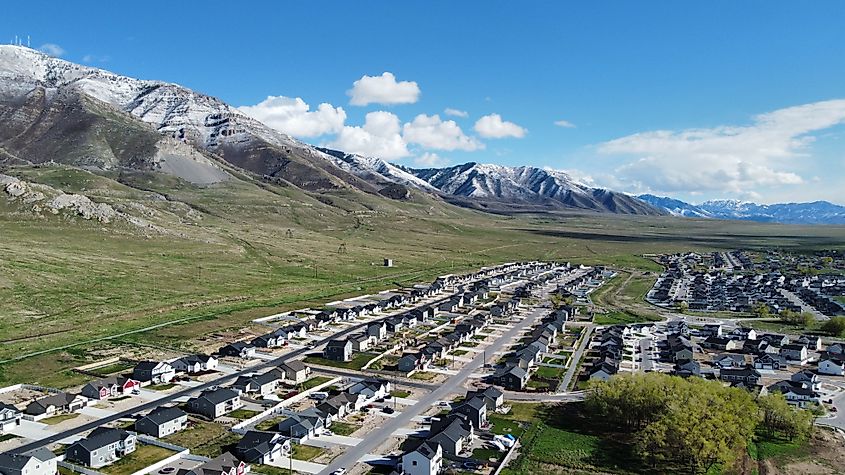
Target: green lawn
(203,438)
(358,361)
(400,393)
(162,387)
(113,368)
(269,424)
(314,382)
(344,428)
(242,414)
(60,418)
(459,352)
(424,375)
(269,470)
(549,372)
(6,437)
(307,452)
(142,457)
(616,318)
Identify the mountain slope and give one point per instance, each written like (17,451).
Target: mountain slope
(528,186)
(816,212)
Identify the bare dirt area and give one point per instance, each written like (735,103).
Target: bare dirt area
(825,455)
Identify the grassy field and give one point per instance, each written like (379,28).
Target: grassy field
(69,288)
(142,457)
(344,428)
(358,361)
(314,382)
(621,317)
(306,452)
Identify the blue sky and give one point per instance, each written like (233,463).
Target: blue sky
(718,99)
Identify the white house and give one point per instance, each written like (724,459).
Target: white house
(427,459)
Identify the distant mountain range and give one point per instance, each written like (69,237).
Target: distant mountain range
(816,212)
(57,111)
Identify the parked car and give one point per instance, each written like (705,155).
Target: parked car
(388,410)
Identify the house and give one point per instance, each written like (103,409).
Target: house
(744,333)
(747,375)
(153,372)
(794,352)
(10,417)
(729,360)
(237,349)
(775,339)
(511,377)
(34,462)
(493,397)
(807,379)
(162,421)
(102,447)
(360,342)
(722,343)
(295,371)
(394,324)
(836,349)
(812,342)
(338,350)
(711,329)
(109,387)
(412,362)
(338,406)
(269,340)
(476,409)
(377,330)
(223,464)
(425,459)
(262,447)
(261,384)
(58,403)
(794,392)
(770,362)
(832,365)
(193,364)
(371,388)
(213,403)
(603,372)
(452,433)
(685,369)
(302,426)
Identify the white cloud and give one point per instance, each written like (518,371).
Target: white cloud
(493,127)
(378,137)
(383,89)
(294,116)
(726,158)
(565,124)
(91,58)
(52,49)
(431,132)
(455,112)
(430,160)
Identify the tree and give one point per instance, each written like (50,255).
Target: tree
(835,326)
(761,310)
(683,306)
(791,317)
(779,418)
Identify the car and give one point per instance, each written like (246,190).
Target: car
(834,409)
(444,404)
(136,391)
(388,410)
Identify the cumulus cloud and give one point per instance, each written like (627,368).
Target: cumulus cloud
(493,127)
(430,160)
(565,124)
(725,158)
(455,112)
(52,49)
(432,132)
(383,89)
(378,137)
(294,116)
(92,58)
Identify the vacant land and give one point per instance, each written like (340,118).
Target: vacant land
(306,452)
(69,286)
(357,362)
(203,438)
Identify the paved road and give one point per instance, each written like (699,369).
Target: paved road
(576,357)
(377,437)
(189,391)
(838,418)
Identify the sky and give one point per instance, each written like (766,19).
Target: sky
(694,100)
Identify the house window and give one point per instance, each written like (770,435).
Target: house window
(414,463)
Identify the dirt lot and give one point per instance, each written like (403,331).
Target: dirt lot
(825,454)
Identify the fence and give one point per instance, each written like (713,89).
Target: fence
(78,468)
(240,427)
(506,459)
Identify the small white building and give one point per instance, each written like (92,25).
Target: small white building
(427,459)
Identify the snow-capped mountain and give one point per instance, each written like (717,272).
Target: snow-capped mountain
(53,110)
(816,212)
(528,186)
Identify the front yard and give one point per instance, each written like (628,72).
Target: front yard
(142,457)
(307,452)
(358,361)
(59,419)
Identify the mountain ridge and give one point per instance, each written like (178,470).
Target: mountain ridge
(813,212)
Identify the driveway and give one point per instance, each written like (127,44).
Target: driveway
(298,465)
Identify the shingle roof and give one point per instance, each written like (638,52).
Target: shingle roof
(162,415)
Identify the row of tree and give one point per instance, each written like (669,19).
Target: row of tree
(691,422)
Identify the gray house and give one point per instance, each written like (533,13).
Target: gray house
(262,447)
(162,421)
(102,447)
(35,462)
(295,371)
(214,403)
(338,350)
